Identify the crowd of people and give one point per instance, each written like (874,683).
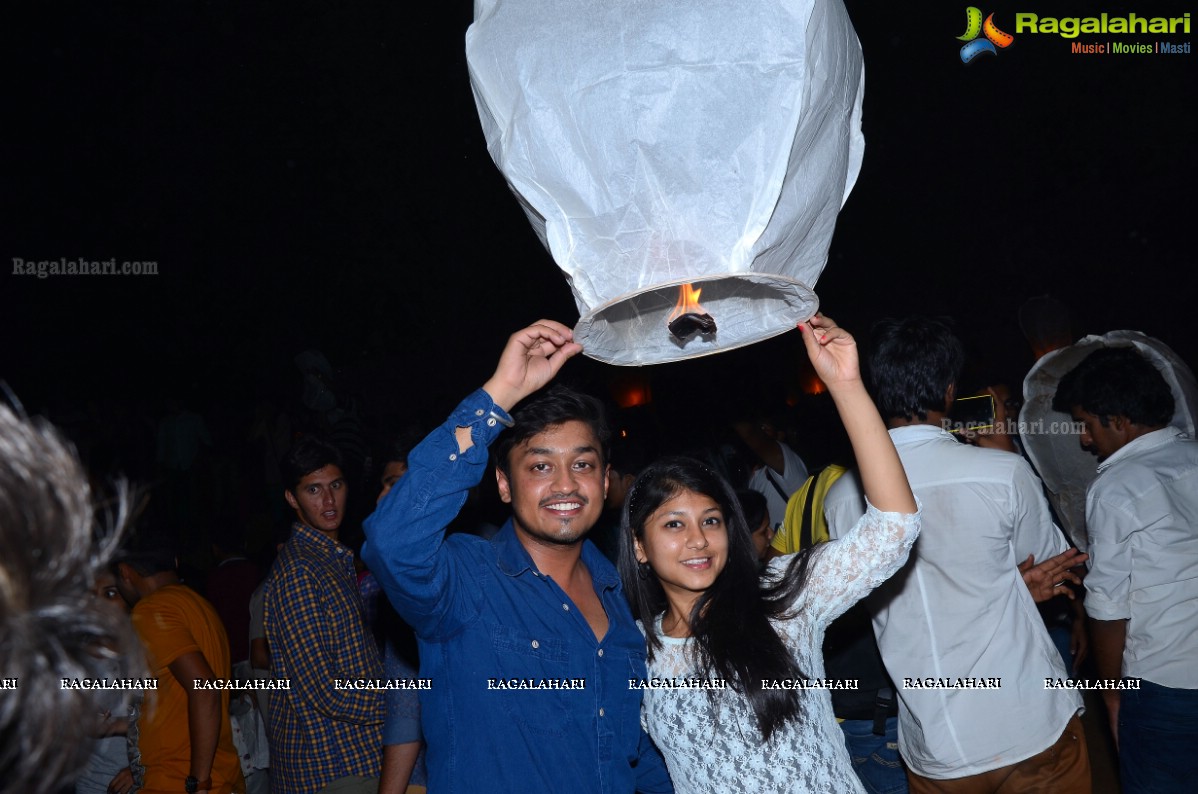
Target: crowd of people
(880,623)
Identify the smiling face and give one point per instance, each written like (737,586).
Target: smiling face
(319,500)
(685,542)
(556,484)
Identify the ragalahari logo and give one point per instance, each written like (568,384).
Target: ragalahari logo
(993,36)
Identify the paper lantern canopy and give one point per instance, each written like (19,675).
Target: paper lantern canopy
(656,145)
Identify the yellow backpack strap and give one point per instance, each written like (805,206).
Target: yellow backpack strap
(789,540)
(805,525)
(810,502)
(823,482)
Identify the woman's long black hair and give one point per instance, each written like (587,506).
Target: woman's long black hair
(733,638)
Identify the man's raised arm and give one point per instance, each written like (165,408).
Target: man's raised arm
(405,534)
(531,358)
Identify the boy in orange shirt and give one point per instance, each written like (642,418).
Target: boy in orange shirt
(184,736)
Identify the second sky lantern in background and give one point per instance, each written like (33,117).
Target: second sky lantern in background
(1053,444)
(659,145)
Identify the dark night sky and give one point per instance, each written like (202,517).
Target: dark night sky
(319,179)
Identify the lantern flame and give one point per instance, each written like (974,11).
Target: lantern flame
(689,317)
(688,302)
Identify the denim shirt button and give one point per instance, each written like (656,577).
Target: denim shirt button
(536,644)
(490,423)
(600,712)
(479,412)
(601,652)
(453,456)
(566,607)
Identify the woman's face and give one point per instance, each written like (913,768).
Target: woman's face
(108,596)
(685,542)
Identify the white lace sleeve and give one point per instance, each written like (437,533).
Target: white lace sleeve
(845,571)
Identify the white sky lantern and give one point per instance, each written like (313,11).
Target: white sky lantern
(659,144)
(1066,469)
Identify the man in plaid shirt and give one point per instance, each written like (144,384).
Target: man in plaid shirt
(325,733)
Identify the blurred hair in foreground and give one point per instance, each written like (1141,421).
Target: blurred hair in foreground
(53,542)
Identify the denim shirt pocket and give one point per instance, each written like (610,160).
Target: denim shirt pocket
(630,724)
(527,666)
(637,664)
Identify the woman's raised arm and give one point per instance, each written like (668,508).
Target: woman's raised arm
(833,353)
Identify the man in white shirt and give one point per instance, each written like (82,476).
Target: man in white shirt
(780,471)
(1142,590)
(957,627)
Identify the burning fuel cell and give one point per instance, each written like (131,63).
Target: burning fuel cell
(689,317)
(660,147)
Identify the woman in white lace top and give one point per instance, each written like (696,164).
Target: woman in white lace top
(727,699)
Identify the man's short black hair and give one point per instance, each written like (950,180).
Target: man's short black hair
(912,362)
(555,406)
(403,444)
(148,553)
(753,505)
(307,455)
(1117,381)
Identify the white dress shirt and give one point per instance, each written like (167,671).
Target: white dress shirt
(959,609)
(1142,518)
(793,475)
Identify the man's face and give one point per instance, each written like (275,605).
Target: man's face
(1097,439)
(617,488)
(125,584)
(557,484)
(108,596)
(762,536)
(391,474)
(319,500)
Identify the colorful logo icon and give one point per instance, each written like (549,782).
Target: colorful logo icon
(973,28)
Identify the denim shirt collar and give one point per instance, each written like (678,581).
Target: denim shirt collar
(513,559)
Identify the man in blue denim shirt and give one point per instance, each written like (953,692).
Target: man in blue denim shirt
(527,638)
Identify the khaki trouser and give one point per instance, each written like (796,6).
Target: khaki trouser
(1062,768)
